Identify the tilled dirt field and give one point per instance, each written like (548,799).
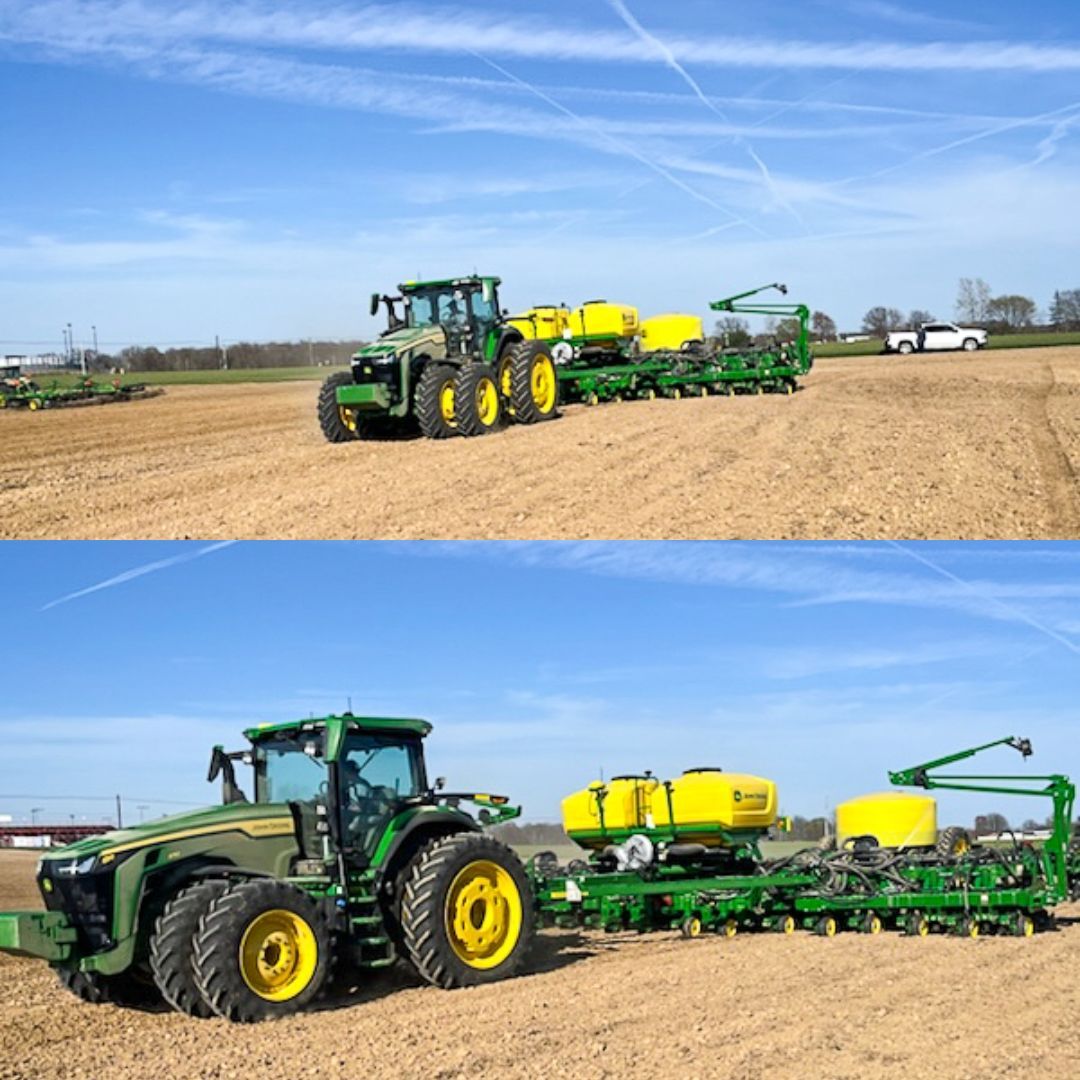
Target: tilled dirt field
(596,1006)
(937,446)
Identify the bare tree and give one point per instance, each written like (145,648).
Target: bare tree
(918,318)
(733,332)
(880,321)
(1011,312)
(824,328)
(1065,310)
(972,300)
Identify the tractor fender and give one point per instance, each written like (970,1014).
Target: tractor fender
(420,825)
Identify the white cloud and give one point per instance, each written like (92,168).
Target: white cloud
(462,30)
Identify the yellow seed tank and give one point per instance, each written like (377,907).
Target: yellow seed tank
(895,818)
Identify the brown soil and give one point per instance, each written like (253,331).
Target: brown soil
(594,1006)
(939,446)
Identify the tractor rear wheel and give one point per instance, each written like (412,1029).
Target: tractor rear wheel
(171,946)
(477,405)
(534,385)
(262,950)
(338,423)
(467,912)
(436,405)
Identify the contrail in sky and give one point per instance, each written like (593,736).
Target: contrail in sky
(669,58)
(623,148)
(140,571)
(1016,613)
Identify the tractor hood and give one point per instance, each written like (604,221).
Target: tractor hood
(265,819)
(404,337)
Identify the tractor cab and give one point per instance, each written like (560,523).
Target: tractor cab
(467,309)
(343,778)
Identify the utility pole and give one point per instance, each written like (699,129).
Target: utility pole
(34,811)
(93,330)
(142,808)
(67,346)
(119,814)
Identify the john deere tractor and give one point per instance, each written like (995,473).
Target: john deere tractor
(344,856)
(448,361)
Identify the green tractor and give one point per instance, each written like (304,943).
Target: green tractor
(448,362)
(346,857)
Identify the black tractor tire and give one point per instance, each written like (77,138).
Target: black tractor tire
(171,946)
(471,881)
(534,383)
(953,842)
(331,416)
(435,381)
(97,989)
(295,945)
(478,408)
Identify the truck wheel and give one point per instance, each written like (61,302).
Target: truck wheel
(905,347)
(467,913)
(338,423)
(477,405)
(171,943)
(534,385)
(970,344)
(262,950)
(436,402)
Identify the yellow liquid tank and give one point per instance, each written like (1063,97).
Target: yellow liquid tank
(895,818)
(705,800)
(597,319)
(623,804)
(670,331)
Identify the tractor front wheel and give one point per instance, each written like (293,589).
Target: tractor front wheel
(338,423)
(467,912)
(261,951)
(436,402)
(477,405)
(171,945)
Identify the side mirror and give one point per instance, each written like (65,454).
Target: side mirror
(216,756)
(440,783)
(374,303)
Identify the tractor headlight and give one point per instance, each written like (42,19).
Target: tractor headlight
(81,866)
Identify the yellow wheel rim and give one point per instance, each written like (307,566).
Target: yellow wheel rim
(34,403)
(676,393)
(484,915)
(830,927)
(692,928)
(731,928)
(542,384)
(505,382)
(924,928)
(446,401)
(278,955)
(787,925)
(1029,927)
(348,417)
(873,925)
(487,402)
(973,930)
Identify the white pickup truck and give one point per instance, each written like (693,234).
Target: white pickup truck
(934,337)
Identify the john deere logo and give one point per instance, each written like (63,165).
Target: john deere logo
(738,796)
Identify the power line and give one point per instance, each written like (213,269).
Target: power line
(103,798)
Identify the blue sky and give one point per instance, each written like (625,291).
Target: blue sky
(820,666)
(177,169)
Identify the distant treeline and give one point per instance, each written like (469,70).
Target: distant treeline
(273,354)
